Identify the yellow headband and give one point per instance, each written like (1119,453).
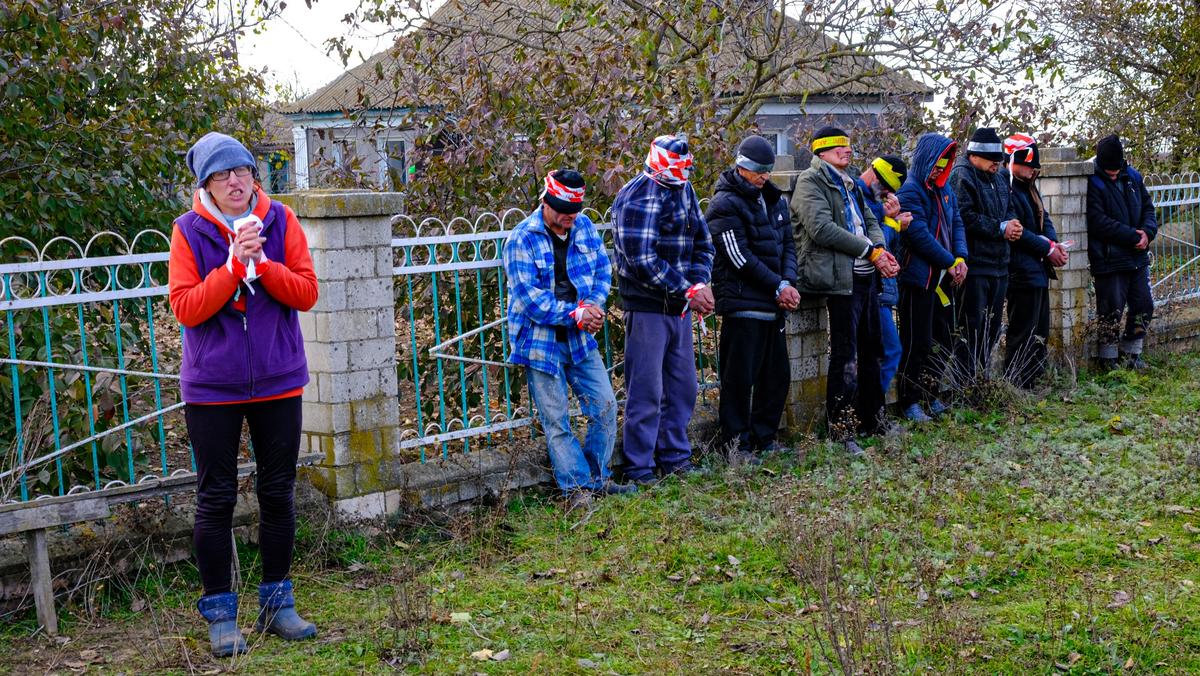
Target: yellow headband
(827,142)
(886,172)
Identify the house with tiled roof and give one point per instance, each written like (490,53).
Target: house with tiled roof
(377,145)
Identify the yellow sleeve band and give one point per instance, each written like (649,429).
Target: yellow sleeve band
(891,223)
(955,263)
(820,144)
(886,172)
(875,254)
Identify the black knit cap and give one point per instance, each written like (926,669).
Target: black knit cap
(1030,157)
(985,143)
(755,154)
(1110,154)
(894,169)
(571,179)
(829,137)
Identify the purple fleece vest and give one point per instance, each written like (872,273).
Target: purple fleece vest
(234,356)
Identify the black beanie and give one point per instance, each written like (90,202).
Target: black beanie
(829,137)
(890,170)
(755,154)
(570,179)
(985,142)
(1110,155)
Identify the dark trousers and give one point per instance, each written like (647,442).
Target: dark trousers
(980,317)
(755,375)
(854,393)
(660,393)
(1115,293)
(215,432)
(1028,331)
(927,330)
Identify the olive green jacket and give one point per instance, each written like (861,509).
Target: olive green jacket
(825,248)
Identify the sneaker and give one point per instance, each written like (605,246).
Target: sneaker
(1134,362)
(579,500)
(686,471)
(854,450)
(916,414)
(938,408)
(611,487)
(741,458)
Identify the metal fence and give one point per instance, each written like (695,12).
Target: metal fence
(1175,253)
(452,339)
(87,341)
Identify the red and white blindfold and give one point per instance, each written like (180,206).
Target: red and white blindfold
(1018,142)
(667,165)
(565,193)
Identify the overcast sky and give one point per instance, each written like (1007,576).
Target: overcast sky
(292,46)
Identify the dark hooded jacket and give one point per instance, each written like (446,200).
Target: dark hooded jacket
(1115,211)
(889,293)
(983,205)
(936,235)
(1027,265)
(752,233)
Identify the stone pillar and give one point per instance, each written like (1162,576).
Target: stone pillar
(351,410)
(1064,189)
(808,342)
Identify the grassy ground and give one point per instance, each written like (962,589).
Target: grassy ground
(1048,533)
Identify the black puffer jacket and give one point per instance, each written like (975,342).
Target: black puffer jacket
(1115,211)
(1028,267)
(751,230)
(983,205)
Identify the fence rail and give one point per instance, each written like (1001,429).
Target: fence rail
(452,338)
(1175,253)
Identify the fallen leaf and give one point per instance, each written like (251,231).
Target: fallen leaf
(482,655)
(75,664)
(501,656)
(1189,528)
(974,594)
(585,663)
(89,655)
(1120,600)
(138,604)
(1073,658)
(675,578)
(1129,663)
(704,619)
(1179,509)
(1156,540)
(1115,426)
(1145,524)
(354,568)
(695,579)
(460,618)
(1124,548)
(733,560)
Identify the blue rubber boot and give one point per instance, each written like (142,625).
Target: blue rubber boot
(221,612)
(277,613)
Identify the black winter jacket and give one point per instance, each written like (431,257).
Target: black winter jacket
(983,204)
(751,230)
(1115,211)
(1027,266)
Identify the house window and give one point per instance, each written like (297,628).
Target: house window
(396,154)
(278,168)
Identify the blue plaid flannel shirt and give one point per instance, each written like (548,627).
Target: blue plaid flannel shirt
(662,240)
(533,311)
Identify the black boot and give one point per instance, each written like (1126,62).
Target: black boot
(1133,362)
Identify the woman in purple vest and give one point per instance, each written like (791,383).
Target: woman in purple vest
(240,272)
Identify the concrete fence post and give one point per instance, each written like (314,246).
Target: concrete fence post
(351,410)
(1064,189)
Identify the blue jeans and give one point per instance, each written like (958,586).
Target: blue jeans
(576,466)
(889,361)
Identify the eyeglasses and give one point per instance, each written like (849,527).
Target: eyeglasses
(223,175)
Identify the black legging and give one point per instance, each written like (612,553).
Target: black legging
(216,432)
(926,339)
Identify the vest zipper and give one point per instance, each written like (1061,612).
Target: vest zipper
(249,368)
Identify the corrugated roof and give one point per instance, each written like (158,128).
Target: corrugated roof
(492,27)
